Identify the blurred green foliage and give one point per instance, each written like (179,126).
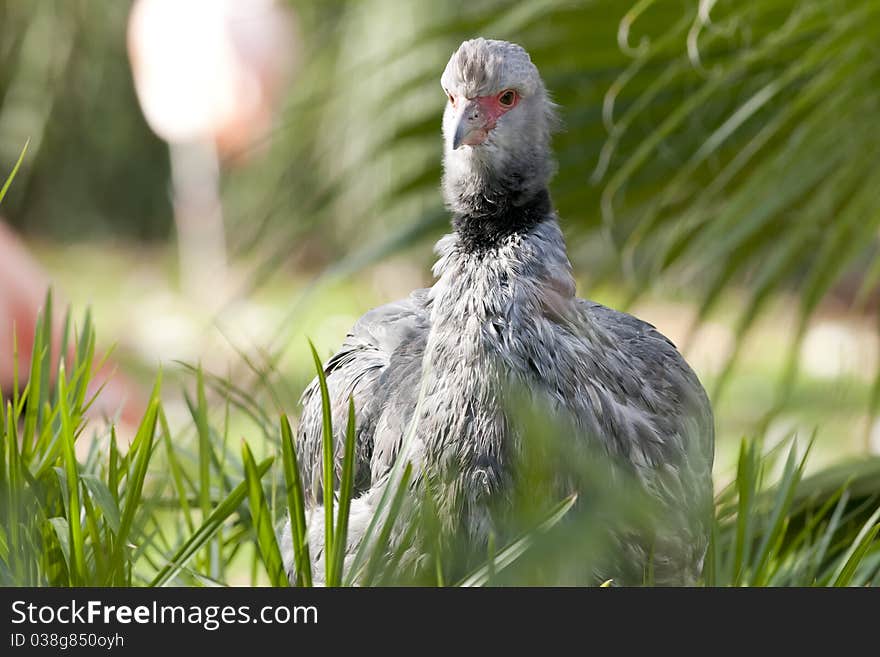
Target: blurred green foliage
(720,152)
(95,168)
(720,140)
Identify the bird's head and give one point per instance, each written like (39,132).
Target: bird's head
(497,122)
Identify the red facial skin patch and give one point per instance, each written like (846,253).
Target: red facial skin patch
(490,108)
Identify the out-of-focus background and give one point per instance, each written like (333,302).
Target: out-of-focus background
(221,179)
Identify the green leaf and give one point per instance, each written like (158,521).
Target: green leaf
(77,565)
(11,176)
(295,506)
(857,551)
(747,483)
(775,531)
(328,469)
(104,500)
(515,550)
(176,472)
(62,532)
(346,489)
(380,548)
(141,451)
(262,517)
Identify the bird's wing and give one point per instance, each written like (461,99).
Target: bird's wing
(657,376)
(665,428)
(357,370)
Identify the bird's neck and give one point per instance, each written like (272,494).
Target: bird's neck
(488,220)
(494,194)
(506,267)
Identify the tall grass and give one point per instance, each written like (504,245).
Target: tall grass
(178,506)
(68,520)
(818,531)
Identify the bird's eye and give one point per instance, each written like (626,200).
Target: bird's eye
(507,98)
(451,98)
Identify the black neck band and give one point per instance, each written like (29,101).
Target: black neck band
(491,219)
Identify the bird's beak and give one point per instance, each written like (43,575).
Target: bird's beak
(471,125)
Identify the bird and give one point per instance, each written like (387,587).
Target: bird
(503,311)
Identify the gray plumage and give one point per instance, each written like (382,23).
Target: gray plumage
(503,310)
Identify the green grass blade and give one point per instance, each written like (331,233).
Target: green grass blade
(85,357)
(346,489)
(113,466)
(379,550)
(817,558)
(857,550)
(200,416)
(328,469)
(515,550)
(11,176)
(62,533)
(138,459)
(710,566)
(172,457)
(236,395)
(206,530)
(77,542)
(391,567)
(295,506)
(747,477)
(46,356)
(262,518)
(13,490)
(97,573)
(104,500)
(777,523)
(34,391)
